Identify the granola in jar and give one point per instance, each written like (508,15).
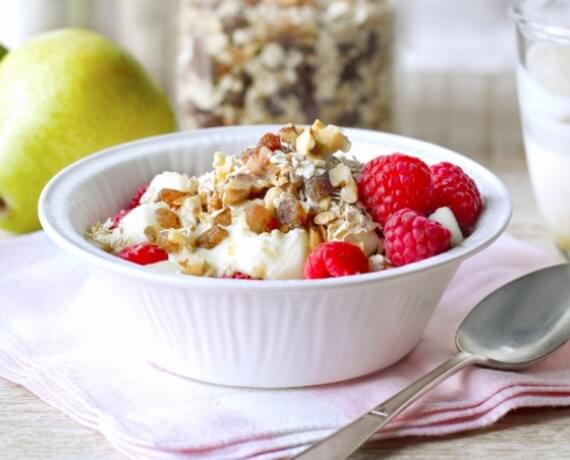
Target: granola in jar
(273,61)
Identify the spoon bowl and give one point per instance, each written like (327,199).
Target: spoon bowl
(521,322)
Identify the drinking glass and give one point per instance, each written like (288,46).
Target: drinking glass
(543,74)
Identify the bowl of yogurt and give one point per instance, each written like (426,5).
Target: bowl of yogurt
(279,331)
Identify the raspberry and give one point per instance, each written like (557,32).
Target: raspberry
(409,237)
(456,190)
(135,201)
(389,183)
(117,218)
(335,258)
(238,276)
(143,254)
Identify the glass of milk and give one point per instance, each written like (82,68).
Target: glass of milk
(543,29)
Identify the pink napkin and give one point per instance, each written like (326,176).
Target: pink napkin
(63,336)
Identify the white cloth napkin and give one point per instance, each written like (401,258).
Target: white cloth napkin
(64,337)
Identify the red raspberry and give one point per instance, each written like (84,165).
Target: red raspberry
(117,218)
(143,254)
(335,258)
(135,201)
(409,237)
(238,276)
(456,190)
(392,182)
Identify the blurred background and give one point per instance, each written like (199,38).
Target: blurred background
(222,63)
(456,37)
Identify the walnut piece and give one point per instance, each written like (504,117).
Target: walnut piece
(259,219)
(212,237)
(329,139)
(150,233)
(271,198)
(171,242)
(214,202)
(237,189)
(305,143)
(241,187)
(223,217)
(341,176)
(167,218)
(173,198)
(289,134)
(290,212)
(258,162)
(315,237)
(318,187)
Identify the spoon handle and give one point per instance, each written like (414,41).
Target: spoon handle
(345,441)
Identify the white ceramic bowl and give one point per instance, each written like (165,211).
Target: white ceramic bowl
(261,333)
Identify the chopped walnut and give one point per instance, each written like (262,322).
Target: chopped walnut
(305,143)
(315,237)
(318,187)
(150,233)
(167,218)
(171,242)
(214,202)
(290,211)
(173,198)
(271,198)
(258,162)
(259,219)
(289,135)
(212,237)
(223,166)
(223,217)
(241,187)
(341,176)
(329,139)
(237,189)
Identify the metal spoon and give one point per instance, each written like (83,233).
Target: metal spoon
(510,329)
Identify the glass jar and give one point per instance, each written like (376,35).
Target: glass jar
(279,61)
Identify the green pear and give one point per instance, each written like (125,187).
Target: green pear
(65,95)
(3,52)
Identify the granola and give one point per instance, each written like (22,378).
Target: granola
(260,61)
(258,213)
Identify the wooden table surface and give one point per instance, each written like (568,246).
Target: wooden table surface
(475,115)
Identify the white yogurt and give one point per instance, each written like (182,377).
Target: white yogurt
(132,227)
(260,256)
